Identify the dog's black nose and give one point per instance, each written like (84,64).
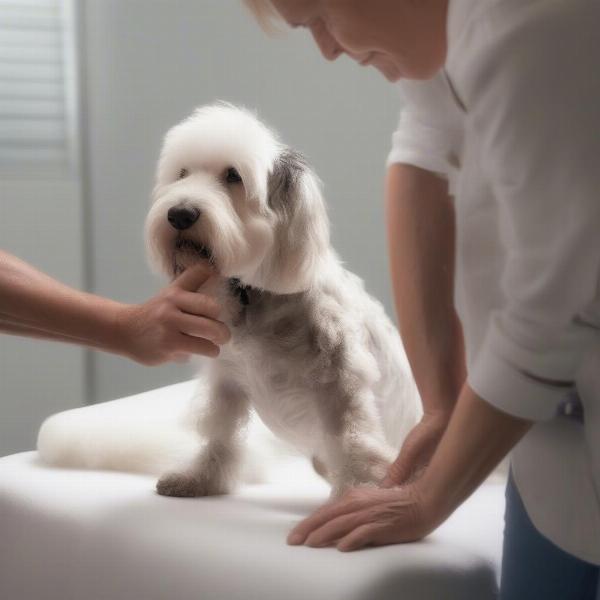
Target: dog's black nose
(182,218)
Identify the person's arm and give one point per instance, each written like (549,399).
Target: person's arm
(175,323)
(477,438)
(421,242)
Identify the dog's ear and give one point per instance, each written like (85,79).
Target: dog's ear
(301,234)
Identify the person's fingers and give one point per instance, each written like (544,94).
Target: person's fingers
(193,277)
(369,534)
(407,525)
(200,327)
(336,529)
(196,303)
(321,516)
(194,345)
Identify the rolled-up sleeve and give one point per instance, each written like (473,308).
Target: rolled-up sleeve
(428,134)
(534,105)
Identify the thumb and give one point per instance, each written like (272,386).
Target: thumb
(387,482)
(400,470)
(193,277)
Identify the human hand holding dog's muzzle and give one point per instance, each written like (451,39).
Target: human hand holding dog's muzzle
(174,324)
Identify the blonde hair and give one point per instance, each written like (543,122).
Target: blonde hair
(266,15)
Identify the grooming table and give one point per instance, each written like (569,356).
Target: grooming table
(102,535)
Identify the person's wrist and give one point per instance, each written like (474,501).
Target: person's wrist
(90,319)
(438,416)
(117,328)
(439,392)
(430,485)
(437,505)
(434,511)
(440,378)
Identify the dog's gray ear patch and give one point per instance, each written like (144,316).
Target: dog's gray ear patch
(288,168)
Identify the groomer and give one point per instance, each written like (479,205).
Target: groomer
(495,167)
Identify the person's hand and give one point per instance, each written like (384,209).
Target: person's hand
(177,322)
(366,516)
(417,449)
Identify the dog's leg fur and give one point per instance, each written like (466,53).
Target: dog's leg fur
(354,444)
(216,469)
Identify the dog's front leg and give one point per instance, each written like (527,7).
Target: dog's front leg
(356,452)
(216,468)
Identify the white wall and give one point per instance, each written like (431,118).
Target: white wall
(149,63)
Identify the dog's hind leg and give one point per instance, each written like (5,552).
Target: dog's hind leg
(216,468)
(356,452)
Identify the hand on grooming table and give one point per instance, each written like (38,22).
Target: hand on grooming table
(478,436)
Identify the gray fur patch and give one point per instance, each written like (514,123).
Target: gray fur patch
(288,168)
(302,329)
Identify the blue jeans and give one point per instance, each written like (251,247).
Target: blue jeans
(533,568)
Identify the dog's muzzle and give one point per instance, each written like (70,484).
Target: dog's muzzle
(187,252)
(192,247)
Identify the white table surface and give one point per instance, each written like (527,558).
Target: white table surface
(101,535)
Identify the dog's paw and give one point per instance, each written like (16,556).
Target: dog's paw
(178,484)
(184,485)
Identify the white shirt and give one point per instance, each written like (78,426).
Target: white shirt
(513,121)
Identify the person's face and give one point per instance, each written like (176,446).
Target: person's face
(401,38)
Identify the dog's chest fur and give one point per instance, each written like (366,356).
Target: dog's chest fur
(289,352)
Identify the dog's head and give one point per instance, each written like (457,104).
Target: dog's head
(227,190)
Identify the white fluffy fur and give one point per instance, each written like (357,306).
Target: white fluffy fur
(312,353)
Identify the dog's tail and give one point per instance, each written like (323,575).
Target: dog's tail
(149,433)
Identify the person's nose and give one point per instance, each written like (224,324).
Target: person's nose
(329,48)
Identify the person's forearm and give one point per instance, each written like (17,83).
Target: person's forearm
(421,240)
(10,327)
(36,305)
(477,438)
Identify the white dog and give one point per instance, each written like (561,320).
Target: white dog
(311,351)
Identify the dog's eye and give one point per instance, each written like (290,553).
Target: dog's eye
(183,173)
(232,176)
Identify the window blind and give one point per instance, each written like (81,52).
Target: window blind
(34,95)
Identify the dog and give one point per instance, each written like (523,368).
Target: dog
(310,351)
